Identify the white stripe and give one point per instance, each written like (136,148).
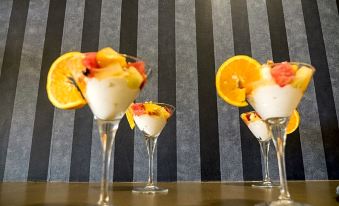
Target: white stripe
(20,137)
(310,131)
(229,128)
(109,37)
(63,122)
(187,102)
(147,48)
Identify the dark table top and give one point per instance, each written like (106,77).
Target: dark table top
(320,193)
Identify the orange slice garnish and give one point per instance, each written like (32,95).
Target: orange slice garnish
(129,116)
(234,78)
(63,88)
(293,124)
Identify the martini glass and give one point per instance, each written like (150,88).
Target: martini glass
(259,129)
(109,91)
(274,97)
(151,118)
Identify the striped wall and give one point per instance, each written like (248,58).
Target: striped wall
(184,41)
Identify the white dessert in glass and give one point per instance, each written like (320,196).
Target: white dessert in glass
(150,118)
(109,97)
(257,126)
(151,125)
(280,89)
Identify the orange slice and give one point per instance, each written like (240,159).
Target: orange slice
(62,88)
(234,78)
(129,116)
(293,124)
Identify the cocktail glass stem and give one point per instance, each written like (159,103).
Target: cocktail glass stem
(277,127)
(264,148)
(107,131)
(150,144)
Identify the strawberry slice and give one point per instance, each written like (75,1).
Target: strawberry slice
(90,61)
(140,66)
(283,73)
(248,116)
(138,109)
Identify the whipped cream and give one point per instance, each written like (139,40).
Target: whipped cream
(274,101)
(151,125)
(109,98)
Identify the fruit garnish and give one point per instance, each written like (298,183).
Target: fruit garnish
(134,109)
(129,116)
(234,78)
(63,88)
(293,123)
(248,117)
(138,108)
(107,56)
(302,78)
(154,109)
(140,66)
(283,73)
(90,61)
(134,78)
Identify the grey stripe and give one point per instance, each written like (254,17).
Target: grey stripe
(188,134)
(20,138)
(5,12)
(329,19)
(229,130)
(147,48)
(262,51)
(109,37)
(63,122)
(310,131)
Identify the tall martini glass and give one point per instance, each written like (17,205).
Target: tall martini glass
(109,91)
(274,97)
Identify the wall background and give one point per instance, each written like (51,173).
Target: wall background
(185,41)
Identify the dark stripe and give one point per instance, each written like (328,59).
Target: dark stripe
(83,119)
(167,148)
(338,6)
(280,52)
(250,149)
(208,117)
(124,141)
(43,123)
(323,87)
(9,73)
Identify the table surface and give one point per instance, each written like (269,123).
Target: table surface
(320,193)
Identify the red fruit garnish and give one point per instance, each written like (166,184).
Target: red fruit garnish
(283,73)
(140,66)
(138,109)
(90,61)
(248,116)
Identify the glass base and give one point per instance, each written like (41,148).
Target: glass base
(149,190)
(282,203)
(265,185)
(100,203)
